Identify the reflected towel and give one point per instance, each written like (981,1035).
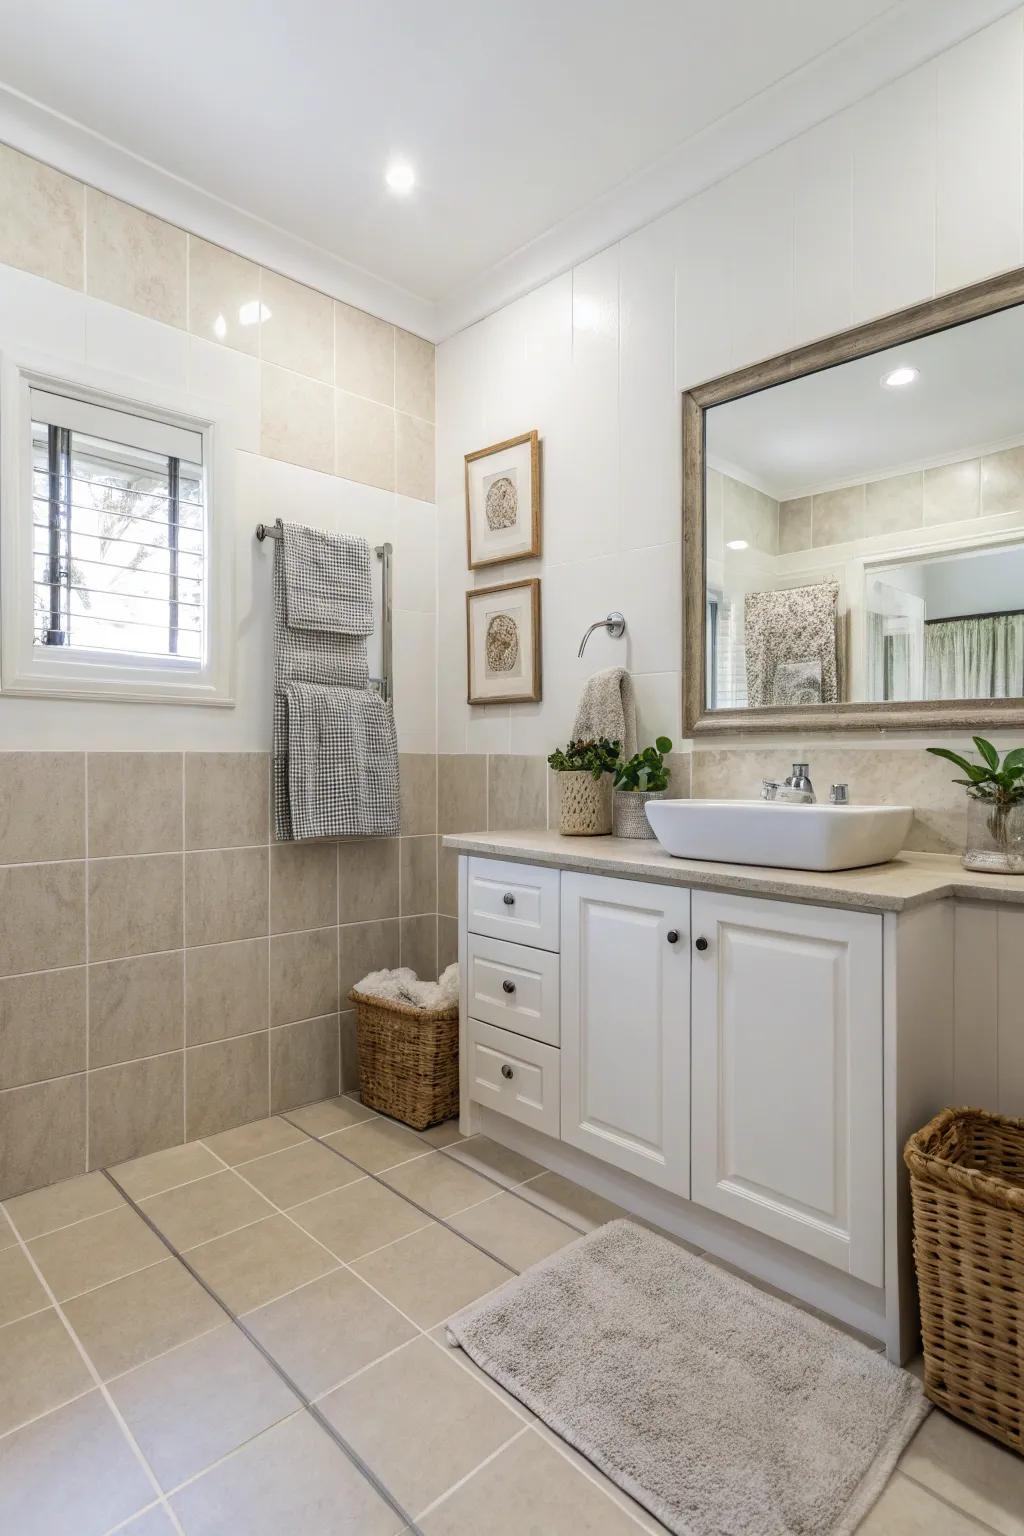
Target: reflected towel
(797,625)
(607,708)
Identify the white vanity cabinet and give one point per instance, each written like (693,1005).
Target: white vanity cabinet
(787,1074)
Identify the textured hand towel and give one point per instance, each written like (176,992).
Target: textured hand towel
(342,762)
(607,708)
(796,625)
(326,581)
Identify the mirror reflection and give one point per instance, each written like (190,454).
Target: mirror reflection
(864,528)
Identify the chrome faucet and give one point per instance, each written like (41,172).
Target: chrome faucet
(797,788)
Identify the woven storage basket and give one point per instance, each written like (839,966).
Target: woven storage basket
(967,1183)
(408,1059)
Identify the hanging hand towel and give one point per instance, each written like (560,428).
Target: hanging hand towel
(342,762)
(326,581)
(607,708)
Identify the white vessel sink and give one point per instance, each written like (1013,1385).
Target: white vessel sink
(779,835)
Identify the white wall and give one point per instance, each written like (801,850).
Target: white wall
(911,192)
(72,328)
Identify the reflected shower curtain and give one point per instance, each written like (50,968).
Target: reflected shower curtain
(975,658)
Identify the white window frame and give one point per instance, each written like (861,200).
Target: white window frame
(51,672)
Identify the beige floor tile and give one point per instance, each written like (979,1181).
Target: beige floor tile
(255,1140)
(44,1210)
(359,1218)
(528,1487)
(134,1319)
(976,1474)
(291,1479)
(20,1291)
(331,1115)
(200,1402)
(495,1161)
(420,1422)
(431,1274)
(96,1251)
(323,1332)
(377,1144)
(197,1213)
(155,1522)
(151,1175)
(71,1473)
(906,1509)
(300,1173)
(447,1134)
(249,1268)
(517,1233)
(439,1184)
(8,1236)
(645,1521)
(41,1368)
(570,1202)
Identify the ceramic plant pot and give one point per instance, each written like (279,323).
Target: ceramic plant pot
(995,837)
(584,804)
(630,817)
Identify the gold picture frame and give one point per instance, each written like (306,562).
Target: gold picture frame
(503,650)
(503,502)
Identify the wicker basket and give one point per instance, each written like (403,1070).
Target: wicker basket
(967,1182)
(408,1059)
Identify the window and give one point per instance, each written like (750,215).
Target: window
(112,580)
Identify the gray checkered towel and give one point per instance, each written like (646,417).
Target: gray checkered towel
(326,581)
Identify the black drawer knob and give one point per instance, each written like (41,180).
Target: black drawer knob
(673,935)
(508,986)
(702,945)
(509,899)
(507,1072)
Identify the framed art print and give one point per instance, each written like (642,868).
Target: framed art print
(503,643)
(503,501)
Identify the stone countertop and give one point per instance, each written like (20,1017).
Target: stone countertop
(909,880)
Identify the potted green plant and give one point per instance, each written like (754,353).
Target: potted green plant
(584,770)
(995,808)
(644,777)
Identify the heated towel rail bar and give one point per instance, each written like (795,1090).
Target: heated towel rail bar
(385,554)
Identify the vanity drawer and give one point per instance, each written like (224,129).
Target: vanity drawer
(515,1076)
(513,987)
(518,902)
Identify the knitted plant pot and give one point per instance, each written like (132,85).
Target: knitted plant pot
(584,804)
(630,818)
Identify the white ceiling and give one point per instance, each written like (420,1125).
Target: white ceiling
(521,119)
(842,426)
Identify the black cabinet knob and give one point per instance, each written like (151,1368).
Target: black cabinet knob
(673,935)
(702,945)
(508,986)
(506,1071)
(509,899)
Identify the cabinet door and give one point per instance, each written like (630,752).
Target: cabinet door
(626,1026)
(787,1074)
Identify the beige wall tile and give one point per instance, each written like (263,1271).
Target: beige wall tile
(364,441)
(42,1026)
(447,880)
(414,375)
(349,1052)
(225,895)
(135,1108)
(227,799)
(952,492)
(42,806)
(1002,481)
(679,765)
(136,1008)
(367,879)
(447,942)
(418,775)
(298,333)
(838,516)
(297,419)
(42,219)
(219,285)
(365,947)
(419,875)
(226,1084)
(516,792)
(134,905)
(415,458)
(461,792)
(134,802)
(42,917)
(304,1063)
(42,1134)
(748,513)
(894,504)
(794,525)
(364,354)
(303,886)
(303,975)
(226,990)
(418,945)
(134,259)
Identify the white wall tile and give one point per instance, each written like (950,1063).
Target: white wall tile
(415,670)
(822,230)
(37,315)
(702,234)
(587,515)
(230,382)
(649,461)
(760,201)
(119,341)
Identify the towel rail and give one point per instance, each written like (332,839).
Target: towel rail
(385,554)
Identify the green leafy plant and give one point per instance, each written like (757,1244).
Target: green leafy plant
(646,770)
(593,757)
(1001,782)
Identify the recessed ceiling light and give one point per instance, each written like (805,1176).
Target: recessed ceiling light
(737,544)
(899,377)
(254,312)
(400,177)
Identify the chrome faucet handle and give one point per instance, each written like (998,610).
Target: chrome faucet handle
(839,794)
(769,789)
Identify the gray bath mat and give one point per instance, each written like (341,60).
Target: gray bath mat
(722,1410)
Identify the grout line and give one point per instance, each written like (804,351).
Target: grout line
(463,1480)
(38,1417)
(305,1403)
(942,1498)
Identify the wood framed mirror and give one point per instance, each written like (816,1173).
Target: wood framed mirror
(853,527)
